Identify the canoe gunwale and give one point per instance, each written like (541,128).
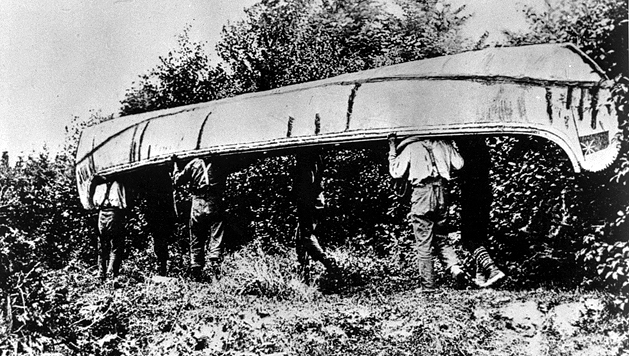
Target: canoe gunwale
(278,146)
(603,84)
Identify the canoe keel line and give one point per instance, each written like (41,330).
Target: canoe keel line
(552,91)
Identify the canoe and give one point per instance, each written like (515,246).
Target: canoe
(554,91)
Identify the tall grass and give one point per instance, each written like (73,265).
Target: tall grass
(254,271)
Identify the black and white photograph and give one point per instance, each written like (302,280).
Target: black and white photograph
(314,177)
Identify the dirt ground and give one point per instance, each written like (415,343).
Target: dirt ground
(448,322)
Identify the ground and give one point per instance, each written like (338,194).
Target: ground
(173,316)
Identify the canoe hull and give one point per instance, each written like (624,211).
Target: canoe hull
(575,113)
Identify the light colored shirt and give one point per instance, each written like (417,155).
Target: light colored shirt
(424,159)
(110,195)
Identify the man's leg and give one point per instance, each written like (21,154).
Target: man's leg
(450,260)
(104,244)
(308,241)
(117,241)
(103,255)
(215,243)
(161,223)
(300,247)
(476,206)
(216,226)
(422,229)
(304,230)
(198,233)
(446,252)
(162,227)
(116,255)
(215,246)
(316,252)
(302,253)
(490,272)
(423,205)
(160,248)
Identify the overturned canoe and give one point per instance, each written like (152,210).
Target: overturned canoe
(553,91)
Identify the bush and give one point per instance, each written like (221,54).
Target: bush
(537,213)
(42,201)
(608,265)
(599,28)
(357,186)
(36,301)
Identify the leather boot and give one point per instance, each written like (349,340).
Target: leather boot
(487,273)
(215,266)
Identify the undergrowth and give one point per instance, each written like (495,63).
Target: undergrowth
(262,305)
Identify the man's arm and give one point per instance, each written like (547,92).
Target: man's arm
(456,160)
(397,164)
(179,177)
(96,181)
(392,151)
(123,196)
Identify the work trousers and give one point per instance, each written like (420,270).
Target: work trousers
(111,241)
(207,229)
(161,221)
(427,217)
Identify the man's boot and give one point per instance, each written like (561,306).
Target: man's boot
(487,273)
(215,266)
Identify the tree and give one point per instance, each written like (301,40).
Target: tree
(427,28)
(183,77)
(599,28)
(287,42)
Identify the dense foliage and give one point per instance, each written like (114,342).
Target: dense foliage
(281,43)
(183,77)
(595,204)
(543,215)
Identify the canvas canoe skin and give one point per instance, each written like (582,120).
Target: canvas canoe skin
(552,91)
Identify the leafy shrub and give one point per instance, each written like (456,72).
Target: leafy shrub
(599,28)
(44,203)
(357,186)
(536,212)
(22,295)
(259,203)
(36,301)
(609,263)
(43,227)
